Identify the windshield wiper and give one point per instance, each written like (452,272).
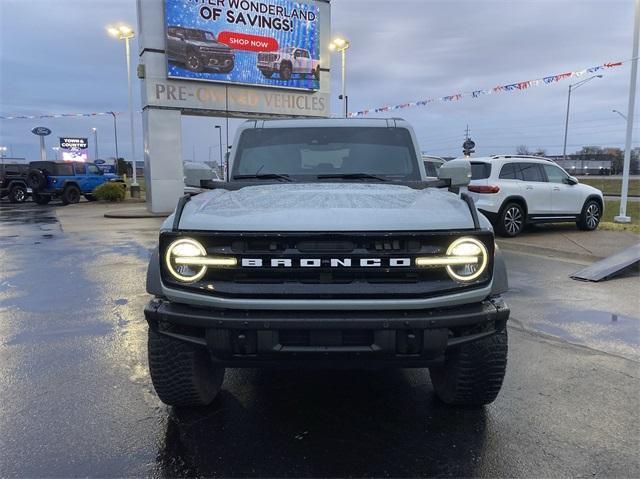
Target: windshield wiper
(352,176)
(263,176)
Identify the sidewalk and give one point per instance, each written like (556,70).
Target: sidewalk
(86,217)
(564,240)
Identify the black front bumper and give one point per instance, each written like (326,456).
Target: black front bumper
(351,339)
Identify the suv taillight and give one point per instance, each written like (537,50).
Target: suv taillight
(483,188)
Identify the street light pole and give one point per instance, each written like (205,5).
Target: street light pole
(115,135)
(126,33)
(624,117)
(341,45)
(566,122)
(219,128)
(622,217)
(95,143)
(56,149)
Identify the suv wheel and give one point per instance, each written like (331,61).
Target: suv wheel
(316,73)
(511,220)
(590,216)
(37,180)
(17,194)
(182,373)
(194,62)
(267,73)
(472,373)
(41,199)
(285,71)
(70,195)
(89,197)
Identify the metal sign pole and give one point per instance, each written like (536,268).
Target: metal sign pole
(43,153)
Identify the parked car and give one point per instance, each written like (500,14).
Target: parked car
(287,62)
(13,181)
(513,191)
(67,180)
(327,248)
(432,164)
(198,50)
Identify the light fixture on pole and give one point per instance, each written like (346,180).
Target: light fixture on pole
(341,45)
(3,151)
(95,143)
(126,33)
(219,128)
(624,117)
(626,165)
(56,149)
(566,123)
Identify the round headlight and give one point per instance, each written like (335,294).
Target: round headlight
(473,259)
(182,249)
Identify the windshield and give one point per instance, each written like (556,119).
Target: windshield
(306,153)
(200,35)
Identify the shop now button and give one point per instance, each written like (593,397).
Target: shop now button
(252,43)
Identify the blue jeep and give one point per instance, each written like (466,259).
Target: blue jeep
(66,180)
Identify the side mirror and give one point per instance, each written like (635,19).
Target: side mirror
(456,172)
(572,180)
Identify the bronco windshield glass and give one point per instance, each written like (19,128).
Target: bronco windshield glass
(306,153)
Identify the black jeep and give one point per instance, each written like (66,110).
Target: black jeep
(13,181)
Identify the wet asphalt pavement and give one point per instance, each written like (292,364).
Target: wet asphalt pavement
(76,398)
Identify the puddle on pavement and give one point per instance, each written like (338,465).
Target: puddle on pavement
(599,329)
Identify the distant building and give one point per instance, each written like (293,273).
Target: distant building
(586,164)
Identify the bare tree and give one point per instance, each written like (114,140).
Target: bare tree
(523,150)
(540,152)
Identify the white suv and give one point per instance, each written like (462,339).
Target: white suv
(512,191)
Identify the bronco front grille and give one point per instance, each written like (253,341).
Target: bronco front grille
(333,277)
(267,57)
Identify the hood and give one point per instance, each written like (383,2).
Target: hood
(209,43)
(326,207)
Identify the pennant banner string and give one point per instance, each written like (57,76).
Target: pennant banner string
(524,85)
(59,115)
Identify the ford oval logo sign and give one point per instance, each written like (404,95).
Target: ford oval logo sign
(99,162)
(41,131)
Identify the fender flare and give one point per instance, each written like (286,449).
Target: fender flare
(154,283)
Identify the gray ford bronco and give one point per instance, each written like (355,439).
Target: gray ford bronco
(328,248)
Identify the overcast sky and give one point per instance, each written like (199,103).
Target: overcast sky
(55,57)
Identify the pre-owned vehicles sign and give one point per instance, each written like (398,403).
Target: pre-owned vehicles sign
(267,42)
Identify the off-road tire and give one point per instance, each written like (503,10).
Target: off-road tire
(589,218)
(285,71)
(511,220)
(228,69)
(267,73)
(37,180)
(70,195)
(89,197)
(194,62)
(17,194)
(41,199)
(316,73)
(183,374)
(472,373)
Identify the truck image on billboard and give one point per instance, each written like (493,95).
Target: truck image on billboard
(273,43)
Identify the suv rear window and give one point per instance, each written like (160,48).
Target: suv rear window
(510,171)
(480,171)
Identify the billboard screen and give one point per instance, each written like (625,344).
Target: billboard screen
(272,43)
(74,149)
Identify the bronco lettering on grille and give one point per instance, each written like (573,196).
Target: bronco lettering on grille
(326,262)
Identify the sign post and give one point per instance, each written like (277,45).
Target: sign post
(41,131)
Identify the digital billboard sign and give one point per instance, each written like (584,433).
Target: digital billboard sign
(272,43)
(74,149)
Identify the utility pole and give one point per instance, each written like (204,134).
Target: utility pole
(622,217)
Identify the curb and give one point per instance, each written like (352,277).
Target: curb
(134,214)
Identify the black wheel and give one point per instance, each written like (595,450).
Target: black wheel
(590,216)
(472,373)
(70,195)
(285,71)
(41,199)
(316,73)
(37,180)
(90,197)
(228,68)
(194,62)
(511,220)
(267,73)
(182,373)
(17,194)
